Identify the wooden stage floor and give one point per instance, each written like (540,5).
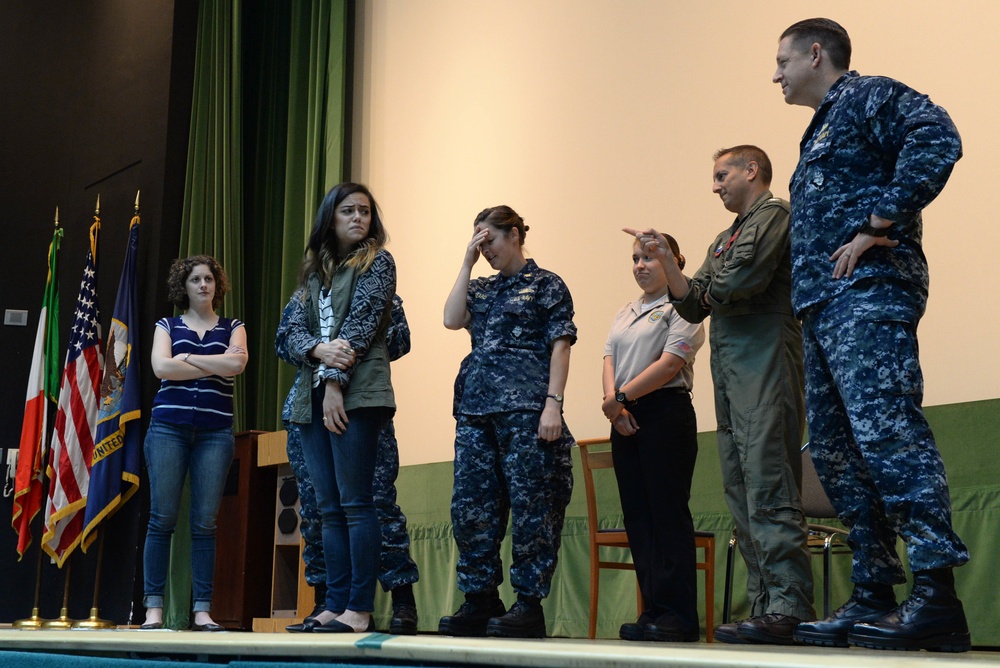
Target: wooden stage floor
(432,650)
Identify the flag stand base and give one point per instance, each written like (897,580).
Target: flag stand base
(33,622)
(94,622)
(63,622)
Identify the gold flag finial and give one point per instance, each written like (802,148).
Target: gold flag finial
(97,207)
(137,200)
(57,216)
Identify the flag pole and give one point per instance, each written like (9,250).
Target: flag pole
(34,621)
(94,621)
(63,621)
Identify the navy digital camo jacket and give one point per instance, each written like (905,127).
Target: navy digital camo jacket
(874,146)
(515,321)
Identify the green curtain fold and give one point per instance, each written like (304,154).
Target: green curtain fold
(266,142)
(212,218)
(314,146)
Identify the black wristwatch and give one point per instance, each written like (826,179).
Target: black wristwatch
(621,398)
(874,231)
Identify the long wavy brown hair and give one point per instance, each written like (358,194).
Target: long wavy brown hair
(322,255)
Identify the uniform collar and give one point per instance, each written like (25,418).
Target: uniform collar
(831,96)
(757,203)
(525,275)
(765,197)
(637,304)
(837,87)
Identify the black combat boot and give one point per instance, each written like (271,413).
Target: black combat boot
(404,611)
(471,618)
(932,618)
(868,601)
(525,619)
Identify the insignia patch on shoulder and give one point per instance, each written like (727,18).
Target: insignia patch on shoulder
(683,346)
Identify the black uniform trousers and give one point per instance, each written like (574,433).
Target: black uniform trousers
(654,468)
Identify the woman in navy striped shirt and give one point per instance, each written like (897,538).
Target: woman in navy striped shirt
(195,355)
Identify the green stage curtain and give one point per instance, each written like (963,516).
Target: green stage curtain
(298,136)
(267,141)
(212,219)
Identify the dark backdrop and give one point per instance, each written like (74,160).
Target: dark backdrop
(94,99)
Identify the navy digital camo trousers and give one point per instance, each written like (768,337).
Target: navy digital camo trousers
(502,467)
(873,449)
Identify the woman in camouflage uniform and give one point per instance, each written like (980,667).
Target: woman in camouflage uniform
(512,447)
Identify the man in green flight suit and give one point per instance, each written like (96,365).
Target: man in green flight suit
(756,344)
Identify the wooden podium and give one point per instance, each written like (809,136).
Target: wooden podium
(291,597)
(243,538)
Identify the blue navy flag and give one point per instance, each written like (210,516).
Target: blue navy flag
(114,471)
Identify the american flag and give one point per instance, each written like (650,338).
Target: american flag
(76,420)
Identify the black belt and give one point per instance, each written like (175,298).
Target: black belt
(660,392)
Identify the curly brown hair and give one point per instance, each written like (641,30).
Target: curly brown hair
(178,275)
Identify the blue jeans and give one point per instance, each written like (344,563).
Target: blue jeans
(342,468)
(172,452)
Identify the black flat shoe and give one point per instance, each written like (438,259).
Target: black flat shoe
(334,626)
(636,630)
(152,626)
(305,626)
(308,624)
(211,627)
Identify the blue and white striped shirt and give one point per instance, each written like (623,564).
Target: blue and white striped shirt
(205,403)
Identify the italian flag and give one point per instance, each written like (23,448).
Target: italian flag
(43,386)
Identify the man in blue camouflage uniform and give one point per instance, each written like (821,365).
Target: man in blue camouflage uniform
(875,153)
(512,447)
(397,570)
(745,285)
